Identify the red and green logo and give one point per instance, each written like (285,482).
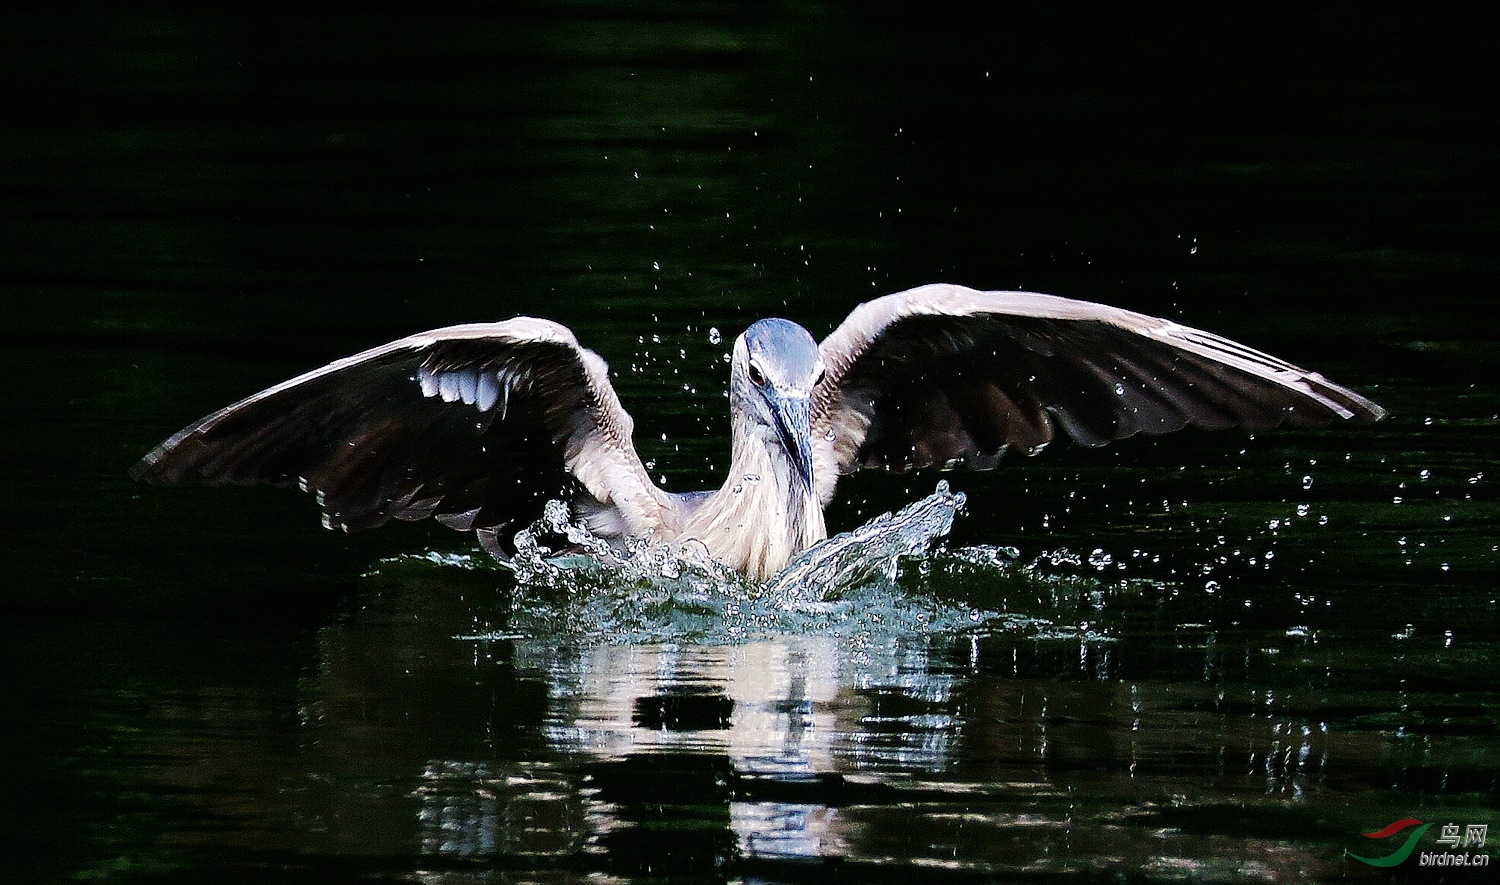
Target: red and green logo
(1399,854)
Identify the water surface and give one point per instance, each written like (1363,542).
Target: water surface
(1214,657)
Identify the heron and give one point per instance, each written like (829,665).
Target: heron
(478,426)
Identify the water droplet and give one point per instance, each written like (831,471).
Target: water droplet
(713,335)
(1119,389)
(1307,482)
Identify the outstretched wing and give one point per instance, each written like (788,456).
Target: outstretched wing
(475,425)
(950,376)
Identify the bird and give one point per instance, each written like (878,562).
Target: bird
(479,425)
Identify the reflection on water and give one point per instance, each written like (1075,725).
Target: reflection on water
(984,752)
(417,742)
(1211,656)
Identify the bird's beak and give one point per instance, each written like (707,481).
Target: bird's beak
(793,429)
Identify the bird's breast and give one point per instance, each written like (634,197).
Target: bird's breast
(757,522)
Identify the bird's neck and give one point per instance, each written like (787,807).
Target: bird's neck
(763,516)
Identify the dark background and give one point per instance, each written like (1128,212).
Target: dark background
(197,201)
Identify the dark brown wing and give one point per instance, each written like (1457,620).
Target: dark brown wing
(949,376)
(476,426)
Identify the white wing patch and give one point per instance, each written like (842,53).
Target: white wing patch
(482,390)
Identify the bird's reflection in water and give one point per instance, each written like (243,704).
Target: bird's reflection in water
(987,752)
(769,706)
(740,715)
(683,756)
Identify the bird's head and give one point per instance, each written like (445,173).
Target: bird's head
(775,367)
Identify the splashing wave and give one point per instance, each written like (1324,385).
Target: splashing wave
(863,585)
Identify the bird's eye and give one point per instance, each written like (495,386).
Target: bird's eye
(756,377)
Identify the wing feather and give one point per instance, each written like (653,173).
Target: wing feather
(950,376)
(474,425)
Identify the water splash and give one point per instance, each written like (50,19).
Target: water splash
(872,553)
(867,555)
(645,591)
(595,563)
(880,581)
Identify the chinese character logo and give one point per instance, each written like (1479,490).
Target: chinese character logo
(1473,835)
(1405,850)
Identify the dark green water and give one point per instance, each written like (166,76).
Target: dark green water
(1261,647)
